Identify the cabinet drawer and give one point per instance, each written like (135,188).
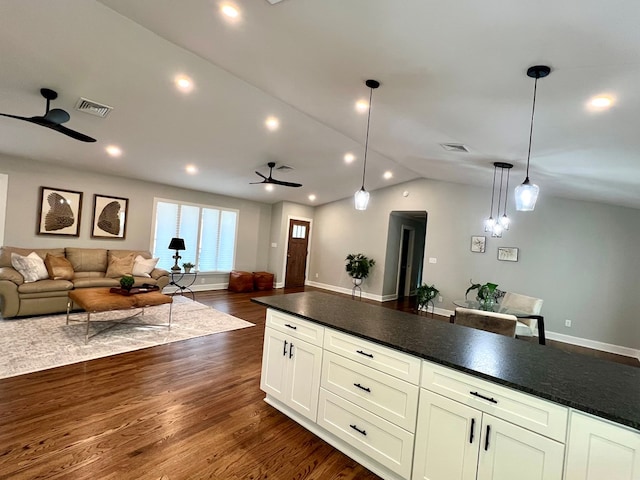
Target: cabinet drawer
(383,441)
(389,397)
(535,414)
(296,327)
(401,365)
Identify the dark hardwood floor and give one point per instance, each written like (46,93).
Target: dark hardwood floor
(187,410)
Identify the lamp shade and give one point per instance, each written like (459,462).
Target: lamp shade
(176,244)
(526,196)
(362,199)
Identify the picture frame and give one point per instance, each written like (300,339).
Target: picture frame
(478,244)
(508,254)
(59,212)
(109,217)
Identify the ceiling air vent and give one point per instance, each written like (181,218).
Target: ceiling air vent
(454,147)
(94,108)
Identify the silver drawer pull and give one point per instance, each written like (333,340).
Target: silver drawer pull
(363,432)
(366,389)
(364,353)
(489,399)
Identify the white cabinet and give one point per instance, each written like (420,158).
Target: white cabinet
(455,441)
(291,367)
(598,449)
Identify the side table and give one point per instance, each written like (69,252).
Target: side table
(182,281)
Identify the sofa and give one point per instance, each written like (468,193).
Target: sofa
(38,293)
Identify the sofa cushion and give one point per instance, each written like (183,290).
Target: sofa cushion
(31,267)
(59,268)
(142,267)
(88,282)
(87,259)
(42,286)
(119,266)
(5,253)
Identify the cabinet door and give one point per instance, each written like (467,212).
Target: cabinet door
(508,452)
(305,365)
(447,439)
(598,449)
(275,358)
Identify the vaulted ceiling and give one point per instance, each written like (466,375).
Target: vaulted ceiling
(450,72)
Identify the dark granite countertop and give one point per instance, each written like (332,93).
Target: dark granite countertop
(605,389)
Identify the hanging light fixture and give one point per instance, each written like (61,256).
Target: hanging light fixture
(500,223)
(362,196)
(527,192)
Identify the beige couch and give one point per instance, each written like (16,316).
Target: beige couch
(20,298)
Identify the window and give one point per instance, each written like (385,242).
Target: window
(209,235)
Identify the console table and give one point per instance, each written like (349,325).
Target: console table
(182,281)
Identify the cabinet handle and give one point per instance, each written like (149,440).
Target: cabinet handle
(473,425)
(363,432)
(366,389)
(293,327)
(284,352)
(290,350)
(486,439)
(489,399)
(364,353)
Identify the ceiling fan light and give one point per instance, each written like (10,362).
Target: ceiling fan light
(526,196)
(361,199)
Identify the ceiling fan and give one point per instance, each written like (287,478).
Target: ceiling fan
(53,118)
(272,180)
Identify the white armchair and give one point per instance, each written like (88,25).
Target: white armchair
(526,327)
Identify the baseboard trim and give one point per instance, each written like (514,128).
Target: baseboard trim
(346,291)
(594,344)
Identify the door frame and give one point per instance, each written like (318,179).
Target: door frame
(286,247)
(4,192)
(409,271)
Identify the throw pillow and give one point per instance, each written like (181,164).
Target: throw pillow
(59,268)
(119,266)
(31,267)
(142,267)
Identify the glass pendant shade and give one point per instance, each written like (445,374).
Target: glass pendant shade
(505,222)
(362,199)
(526,196)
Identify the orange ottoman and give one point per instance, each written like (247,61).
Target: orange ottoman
(240,281)
(263,280)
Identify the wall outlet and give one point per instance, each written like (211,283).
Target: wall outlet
(440,299)
(433,260)
(567,323)
(317,275)
(202,280)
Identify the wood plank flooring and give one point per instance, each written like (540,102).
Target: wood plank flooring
(187,410)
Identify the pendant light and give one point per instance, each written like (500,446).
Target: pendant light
(500,223)
(362,196)
(527,192)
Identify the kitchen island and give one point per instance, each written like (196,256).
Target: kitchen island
(451,359)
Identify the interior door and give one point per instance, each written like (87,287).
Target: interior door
(297,250)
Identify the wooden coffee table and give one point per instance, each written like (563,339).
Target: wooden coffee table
(95,300)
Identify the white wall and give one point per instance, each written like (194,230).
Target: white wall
(580,257)
(27,176)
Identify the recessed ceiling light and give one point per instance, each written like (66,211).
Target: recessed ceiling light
(191,169)
(349,157)
(268,187)
(362,106)
(183,83)
(230,11)
(114,151)
(312,197)
(388,174)
(272,123)
(601,102)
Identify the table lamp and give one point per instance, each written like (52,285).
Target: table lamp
(176,244)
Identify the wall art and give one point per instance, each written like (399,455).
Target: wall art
(59,212)
(109,217)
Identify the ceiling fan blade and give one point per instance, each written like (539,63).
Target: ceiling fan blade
(71,133)
(256,183)
(258,173)
(286,184)
(15,116)
(57,115)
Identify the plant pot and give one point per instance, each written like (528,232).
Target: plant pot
(357,281)
(187,269)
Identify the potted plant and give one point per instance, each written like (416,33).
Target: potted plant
(425,295)
(188,266)
(358,267)
(126,282)
(487,295)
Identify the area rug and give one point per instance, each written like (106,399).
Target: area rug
(38,343)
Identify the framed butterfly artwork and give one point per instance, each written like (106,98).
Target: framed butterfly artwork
(109,217)
(59,212)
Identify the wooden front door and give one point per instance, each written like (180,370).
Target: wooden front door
(297,253)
